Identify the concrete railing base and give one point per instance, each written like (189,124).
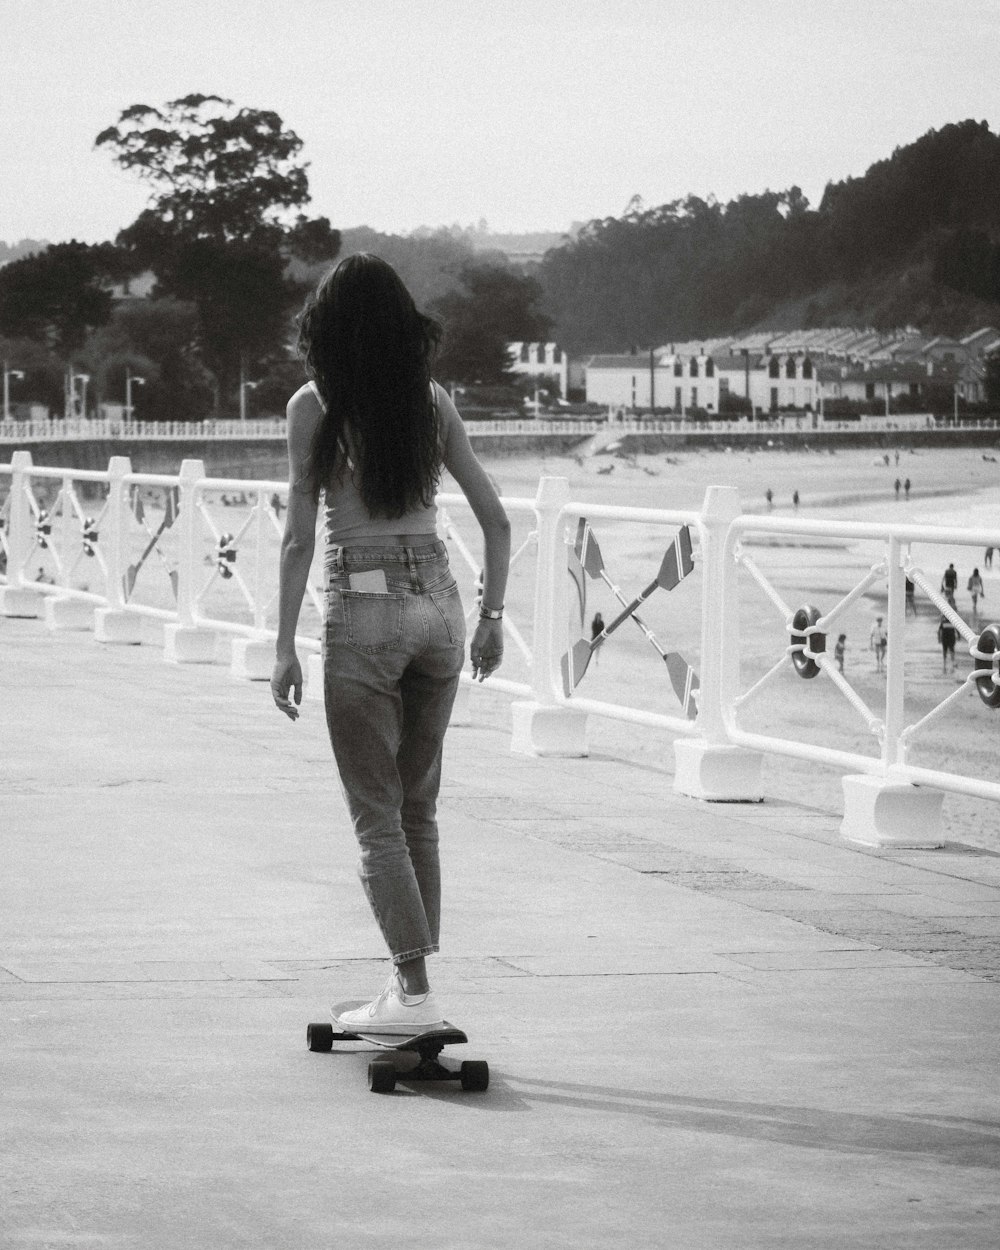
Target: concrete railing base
(187,644)
(21,601)
(890,813)
(715,772)
(114,625)
(66,612)
(540,729)
(253,659)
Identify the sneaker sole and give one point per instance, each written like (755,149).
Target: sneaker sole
(392,1030)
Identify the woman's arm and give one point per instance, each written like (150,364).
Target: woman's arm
(460,460)
(297,545)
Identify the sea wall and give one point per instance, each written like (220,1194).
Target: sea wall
(267,458)
(795,440)
(255,458)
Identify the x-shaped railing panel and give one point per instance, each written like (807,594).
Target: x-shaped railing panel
(677,562)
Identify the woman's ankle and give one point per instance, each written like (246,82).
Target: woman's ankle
(413,976)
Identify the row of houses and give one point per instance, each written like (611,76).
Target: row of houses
(801,369)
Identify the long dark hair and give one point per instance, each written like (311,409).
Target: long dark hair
(369,351)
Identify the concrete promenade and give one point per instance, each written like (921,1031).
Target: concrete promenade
(708,1026)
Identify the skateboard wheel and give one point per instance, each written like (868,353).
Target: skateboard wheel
(475,1074)
(319,1037)
(381,1077)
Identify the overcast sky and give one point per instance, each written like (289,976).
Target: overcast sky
(528,113)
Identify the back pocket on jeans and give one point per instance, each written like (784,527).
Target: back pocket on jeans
(449,604)
(373,622)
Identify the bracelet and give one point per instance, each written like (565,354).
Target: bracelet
(490,614)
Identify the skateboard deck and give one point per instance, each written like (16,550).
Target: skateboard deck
(382,1073)
(446,1035)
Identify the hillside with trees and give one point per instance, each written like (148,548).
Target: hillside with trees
(915,240)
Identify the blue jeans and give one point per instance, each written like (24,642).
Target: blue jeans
(391,666)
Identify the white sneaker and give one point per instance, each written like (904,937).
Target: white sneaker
(394,1013)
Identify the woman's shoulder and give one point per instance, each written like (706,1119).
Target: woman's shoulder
(447,412)
(305,401)
(305,412)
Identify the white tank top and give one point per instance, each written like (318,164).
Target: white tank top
(346,516)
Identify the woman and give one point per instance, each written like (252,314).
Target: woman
(372,431)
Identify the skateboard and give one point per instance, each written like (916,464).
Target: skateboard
(474,1074)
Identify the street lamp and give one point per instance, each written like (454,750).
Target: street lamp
(71,398)
(244,387)
(9,373)
(130,378)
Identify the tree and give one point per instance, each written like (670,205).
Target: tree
(43,371)
(57,296)
(216,171)
(493,306)
(155,339)
(223,228)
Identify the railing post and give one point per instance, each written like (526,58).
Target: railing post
(253,657)
(18,597)
(709,766)
(545,725)
(116,623)
(888,810)
(186,642)
(66,610)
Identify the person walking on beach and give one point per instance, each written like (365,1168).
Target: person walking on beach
(838,651)
(949,581)
(911,605)
(975,588)
(897,485)
(371,431)
(769,496)
(879,642)
(795,500)
(988,558)
(596,627)
(906,488)
(947,636)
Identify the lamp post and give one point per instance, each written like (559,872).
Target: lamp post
(244,387)
(130,379)
(72,378)
(9,373)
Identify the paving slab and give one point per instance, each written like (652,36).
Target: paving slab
(708,1025)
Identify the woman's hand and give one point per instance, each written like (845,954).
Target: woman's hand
(486,651)
(287,676)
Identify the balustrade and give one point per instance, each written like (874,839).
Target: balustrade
(199,555)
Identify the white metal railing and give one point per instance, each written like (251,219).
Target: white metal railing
(74,430)
(808,632)
(274,428)
(163,545)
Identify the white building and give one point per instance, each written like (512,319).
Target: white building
(541,360)
(697,381)
(618,381)
(686,382)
